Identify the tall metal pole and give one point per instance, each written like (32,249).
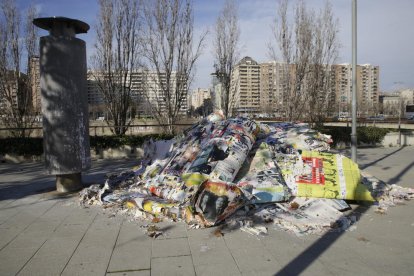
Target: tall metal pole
(354,82)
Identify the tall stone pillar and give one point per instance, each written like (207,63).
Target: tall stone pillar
(64,101)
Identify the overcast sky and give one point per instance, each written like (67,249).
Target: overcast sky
(385,32)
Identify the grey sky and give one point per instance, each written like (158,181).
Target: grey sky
(385,32)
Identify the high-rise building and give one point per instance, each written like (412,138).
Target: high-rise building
(395,104)
(145,91)
(245,88)
(198,96)
(262,88)
(34,73)
(29,86)
(14,91)
(367,87)
(343,86)
(407,95)
(272,87)
(151,92)
(216,92)
(95,96)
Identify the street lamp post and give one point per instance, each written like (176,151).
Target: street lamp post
(354,82)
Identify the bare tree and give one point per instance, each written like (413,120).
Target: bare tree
(226,51)
(116,58)
(294,41)
(308,45)
(170,53)
(16,109)
(321,74)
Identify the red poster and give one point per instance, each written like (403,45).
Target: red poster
(316,176)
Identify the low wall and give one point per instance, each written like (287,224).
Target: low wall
(392,139)
(116,153)
(111,153)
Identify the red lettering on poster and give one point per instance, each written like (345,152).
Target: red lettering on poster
(316,175)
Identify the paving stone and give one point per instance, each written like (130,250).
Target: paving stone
(379,245)
(200,233)
(59,245)
(233,241)
(4,203)
(85,268)
(172,230)
(95,248)
(255,261)
(23,209)
(370,254)
(13,259)
(169,266)
(76,224)
(132,250)
(170,247)
(210,250)
(57,249)
(45,265)
(340,259)
(14,226)
(220,268)
(305,254)
(131,273)
(16,205)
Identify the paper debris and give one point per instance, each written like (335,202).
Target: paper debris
(238,170)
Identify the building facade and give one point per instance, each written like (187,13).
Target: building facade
(146,92)
(261,87)
(272,87)
(15,92)
(367,88)
(34,73)
(245,88)
(198,96)
(394,104)
(216,92)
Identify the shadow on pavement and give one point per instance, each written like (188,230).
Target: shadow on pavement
(300,263)
(380,159)
(397,178)
(21,180)
(311,254)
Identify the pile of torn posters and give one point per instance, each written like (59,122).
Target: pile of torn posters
(233,170)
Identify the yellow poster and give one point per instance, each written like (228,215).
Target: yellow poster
(325,175)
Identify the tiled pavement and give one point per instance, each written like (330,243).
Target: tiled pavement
(44,233)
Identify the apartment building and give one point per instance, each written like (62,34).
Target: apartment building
(216,92)
(394,104)
(407,96)
(245,87)
(367,87)
(34,72)
(14,90)
(198,96)
(29,86)
(146,91)
(272,88)
(261,88)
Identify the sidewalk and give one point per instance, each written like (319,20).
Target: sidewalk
(44,233)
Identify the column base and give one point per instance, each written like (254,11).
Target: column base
(69,182)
